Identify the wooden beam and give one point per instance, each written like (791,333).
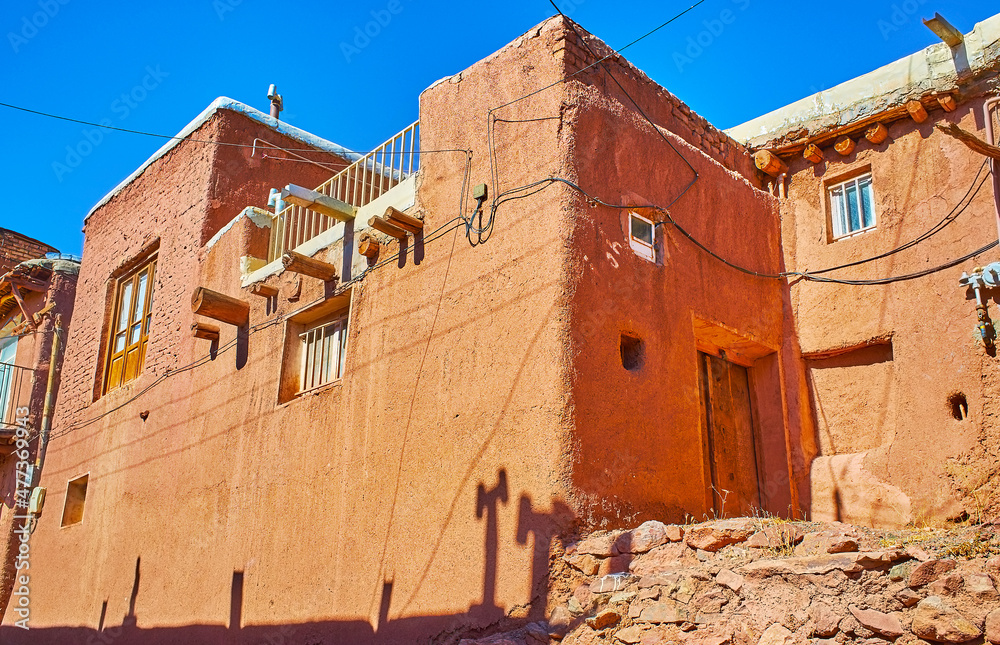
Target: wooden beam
(391,230)
(221,307)
(877,133)
(27,283)
(263,290)
(28,318)
(972,141)
(917,111)
(844,145)
(403,221)
(813,153)
(947,101)
(205,331)
(306,265)
(368,246)
(316,201)
(769,163)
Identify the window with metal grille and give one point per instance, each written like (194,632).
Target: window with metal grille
(852,206)
(323,353)
(129,329)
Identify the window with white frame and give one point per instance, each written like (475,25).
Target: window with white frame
(322,352)
(641,237)
(852,206)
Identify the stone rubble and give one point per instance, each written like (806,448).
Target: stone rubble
(771,582)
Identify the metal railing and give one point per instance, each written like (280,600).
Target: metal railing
(15,392)
(359,184)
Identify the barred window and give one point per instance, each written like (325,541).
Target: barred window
(323,353)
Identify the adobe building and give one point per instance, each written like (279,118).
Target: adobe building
(371,411)
(16,248)
(36,305)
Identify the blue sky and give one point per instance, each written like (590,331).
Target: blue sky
(155,66)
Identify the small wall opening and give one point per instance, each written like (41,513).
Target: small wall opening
(959,406)
(633,352)
(76,497)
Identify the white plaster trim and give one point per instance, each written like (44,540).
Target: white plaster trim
(225,103)
(258,216)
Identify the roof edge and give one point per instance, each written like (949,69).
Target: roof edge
(226,103)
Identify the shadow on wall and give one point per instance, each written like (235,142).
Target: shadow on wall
(541,526)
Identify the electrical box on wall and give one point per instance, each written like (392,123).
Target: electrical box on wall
(37,500)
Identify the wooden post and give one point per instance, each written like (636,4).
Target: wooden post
(947,101)
(813,153)
(263,290)
(206,331)
(877,133)
(306,265)
(403,221)
(769,163)
(221,307)
(844,145)
(917,111)
(391,230)
(368,246)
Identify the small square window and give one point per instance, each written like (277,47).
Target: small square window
(640,234)
(76,498)
(852,206)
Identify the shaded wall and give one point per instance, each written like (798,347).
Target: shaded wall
(891,450)
(641,437)
(423,490)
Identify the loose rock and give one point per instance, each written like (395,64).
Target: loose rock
(933,620)
(885,624)
(928,572)
(777,634)
(604,619)
(716,535)
(642,539)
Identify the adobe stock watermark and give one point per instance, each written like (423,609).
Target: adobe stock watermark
(20,602)
(363,36)
(697,44)
(222,7)
(122,107)
(31,25)
(901,14)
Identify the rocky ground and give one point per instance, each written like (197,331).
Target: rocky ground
(768,582)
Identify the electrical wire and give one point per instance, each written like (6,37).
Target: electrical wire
(209,141)
(484,230)
(814,276)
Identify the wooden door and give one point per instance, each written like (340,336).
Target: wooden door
(732,453)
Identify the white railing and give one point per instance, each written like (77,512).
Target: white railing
(359,184)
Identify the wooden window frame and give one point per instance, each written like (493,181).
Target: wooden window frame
(312,342)
(125,364)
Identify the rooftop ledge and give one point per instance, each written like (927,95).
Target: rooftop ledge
(937,68)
